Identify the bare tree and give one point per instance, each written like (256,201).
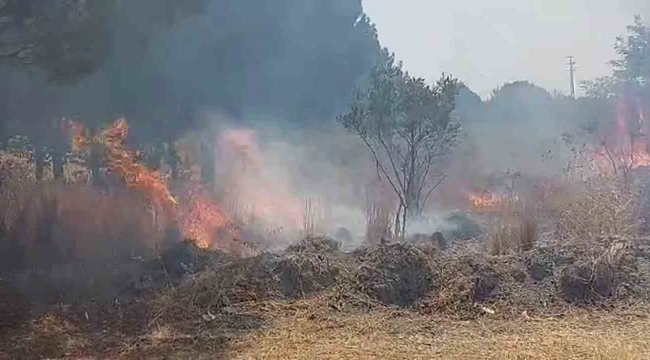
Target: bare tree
(407,125)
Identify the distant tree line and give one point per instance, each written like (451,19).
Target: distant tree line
(161,63)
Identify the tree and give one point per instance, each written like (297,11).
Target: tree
(162,64)
(74,58)
(633,65)
(407,125)
(63,39)
(632,72)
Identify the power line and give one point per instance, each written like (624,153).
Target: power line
(572,72)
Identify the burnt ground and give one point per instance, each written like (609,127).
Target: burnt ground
(194,303)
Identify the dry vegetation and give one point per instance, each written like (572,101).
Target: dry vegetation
(599,207)
(515,228)
(524,292)
(304,331)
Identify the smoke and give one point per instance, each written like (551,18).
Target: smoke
(296,61)
(431,224)
(291,179)
(518,129)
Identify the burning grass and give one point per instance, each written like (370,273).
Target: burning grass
(201,295)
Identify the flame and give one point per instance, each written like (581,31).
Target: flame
(132,172)
(621,150)
(197,217)
(486,201)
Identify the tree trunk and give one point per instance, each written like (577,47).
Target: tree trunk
(412,205)
(39,162)
(404,218)
(172,160)
(58,163)
(94,163)
(399,224)
(207,164)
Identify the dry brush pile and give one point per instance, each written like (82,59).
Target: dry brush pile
(580,245)
(462,281)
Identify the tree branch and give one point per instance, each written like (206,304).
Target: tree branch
(390,159)
(381,167)
(424,202)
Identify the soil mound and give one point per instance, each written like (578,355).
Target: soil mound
(395,274)
(310,266)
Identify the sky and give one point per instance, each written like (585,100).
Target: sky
(488,43)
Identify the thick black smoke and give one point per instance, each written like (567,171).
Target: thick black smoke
(286,59)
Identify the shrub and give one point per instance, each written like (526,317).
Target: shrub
(596,209)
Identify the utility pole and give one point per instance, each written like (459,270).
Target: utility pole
(572,73)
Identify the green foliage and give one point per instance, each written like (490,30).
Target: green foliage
(18,143)
(634,52)
(407,125)
(605,87)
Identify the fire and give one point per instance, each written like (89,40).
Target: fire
(486,201)
(621,150)
(124,163)
(198,217)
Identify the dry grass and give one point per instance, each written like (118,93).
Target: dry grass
(379,223)
(63,218)
(76,220)
(302,331)
(515,229)
(70,242)
(308,267)
(380,205)
(313,217)
(600,207)
(310,329)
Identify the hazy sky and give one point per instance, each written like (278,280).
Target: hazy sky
(488,43)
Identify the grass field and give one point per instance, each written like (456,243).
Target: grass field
(302,332)
(310,330)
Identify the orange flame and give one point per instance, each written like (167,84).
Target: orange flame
(197,217)
(124,163)
(620,150)
(486,201)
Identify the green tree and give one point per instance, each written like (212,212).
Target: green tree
(633,65)
(632,75)
(597,107)
(407,125)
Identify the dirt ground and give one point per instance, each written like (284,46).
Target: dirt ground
(310,329)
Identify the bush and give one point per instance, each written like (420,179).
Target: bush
(598,208)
